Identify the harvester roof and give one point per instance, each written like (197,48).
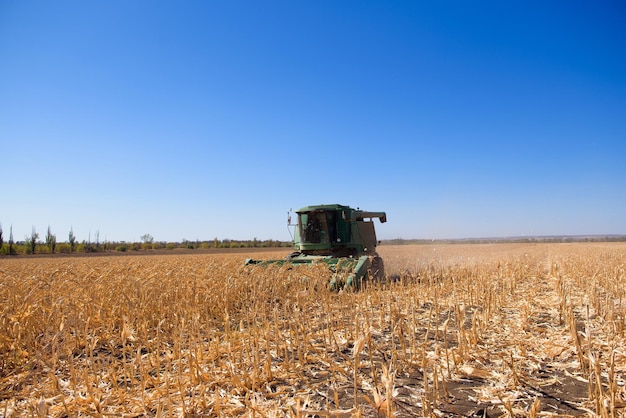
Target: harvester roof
(322,207)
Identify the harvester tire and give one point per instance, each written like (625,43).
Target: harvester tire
(377,270)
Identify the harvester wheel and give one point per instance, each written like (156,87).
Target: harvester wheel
(377,270)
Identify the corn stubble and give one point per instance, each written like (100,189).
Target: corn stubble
(483,330)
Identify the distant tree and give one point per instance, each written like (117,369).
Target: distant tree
(216,242)
(51,240)
(72,240)
(147,241)
(97,240)
(188,244)
(1,238)
(147,238)
(31,241)
(11,240)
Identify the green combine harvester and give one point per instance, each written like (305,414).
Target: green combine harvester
(341,237)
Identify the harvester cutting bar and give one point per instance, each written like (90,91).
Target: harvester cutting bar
(346,272)
(331,261)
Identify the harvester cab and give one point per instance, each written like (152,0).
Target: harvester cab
(342,237)
(336,230)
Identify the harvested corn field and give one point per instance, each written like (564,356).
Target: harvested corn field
(461,330)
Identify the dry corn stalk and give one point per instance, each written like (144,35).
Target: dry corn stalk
(507,326)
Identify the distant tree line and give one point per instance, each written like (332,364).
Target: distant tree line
(50,245)
(538,239)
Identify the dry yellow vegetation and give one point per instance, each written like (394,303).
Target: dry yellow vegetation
(466,330)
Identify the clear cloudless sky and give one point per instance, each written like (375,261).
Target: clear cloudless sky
(202,119)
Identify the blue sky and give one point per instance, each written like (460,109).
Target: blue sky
(202,119)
